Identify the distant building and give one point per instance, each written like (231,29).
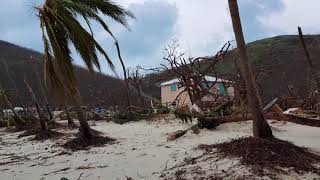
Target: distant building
(170,91)
(9,112)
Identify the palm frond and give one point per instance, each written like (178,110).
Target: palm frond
(60,28)
(108,8)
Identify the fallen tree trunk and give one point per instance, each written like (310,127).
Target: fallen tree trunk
(212,122)
(295,119)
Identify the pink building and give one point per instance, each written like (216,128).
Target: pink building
(170,91)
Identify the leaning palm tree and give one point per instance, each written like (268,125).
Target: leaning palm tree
(4,98)
(59,22)
(261,127)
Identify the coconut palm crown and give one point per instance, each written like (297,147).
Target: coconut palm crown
(59,21)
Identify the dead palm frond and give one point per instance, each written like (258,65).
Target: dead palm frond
(59,20)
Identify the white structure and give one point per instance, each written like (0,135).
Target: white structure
(9,112)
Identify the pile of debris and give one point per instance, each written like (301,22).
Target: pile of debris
(268,156)
(271,111)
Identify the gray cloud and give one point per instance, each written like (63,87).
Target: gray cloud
(251,10)
(201,26)
(149,32)
(19,24)
(295,13)
(153,27)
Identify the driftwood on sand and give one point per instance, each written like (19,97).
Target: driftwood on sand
(175,135)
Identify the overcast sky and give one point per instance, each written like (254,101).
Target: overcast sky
(202,26)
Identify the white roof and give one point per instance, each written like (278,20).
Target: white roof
(208,78)
(18,109)
(7,111)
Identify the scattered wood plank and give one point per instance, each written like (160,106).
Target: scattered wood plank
(296,119)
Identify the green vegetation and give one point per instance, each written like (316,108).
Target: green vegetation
(281,57)
(277,58)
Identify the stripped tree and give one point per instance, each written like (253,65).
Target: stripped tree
(43,123)
(261,127)
(192,72)
(4,98)
(13,82)
(314,96)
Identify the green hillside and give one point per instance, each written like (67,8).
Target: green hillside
(23,64)
(282,59)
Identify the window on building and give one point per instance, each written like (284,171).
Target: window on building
(173,88)
(222,89)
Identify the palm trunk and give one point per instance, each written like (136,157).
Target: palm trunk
(261,127)
(84,129)
(8,103)
(314,72)
(49,111)
(124,76)
(44,94)
(70,121)
(41,116)
(14,85)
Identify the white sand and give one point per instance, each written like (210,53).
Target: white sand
(141,151)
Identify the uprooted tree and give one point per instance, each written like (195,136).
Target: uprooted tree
(136,83)
(191,72)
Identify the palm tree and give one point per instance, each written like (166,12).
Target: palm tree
(261,127)
(61,27)
(5,99)
(70,120)
(43,123)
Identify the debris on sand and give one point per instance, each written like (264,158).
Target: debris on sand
(57,171)
(41,135)
(175,135)
(48,134)
(81,143)
(272,154)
